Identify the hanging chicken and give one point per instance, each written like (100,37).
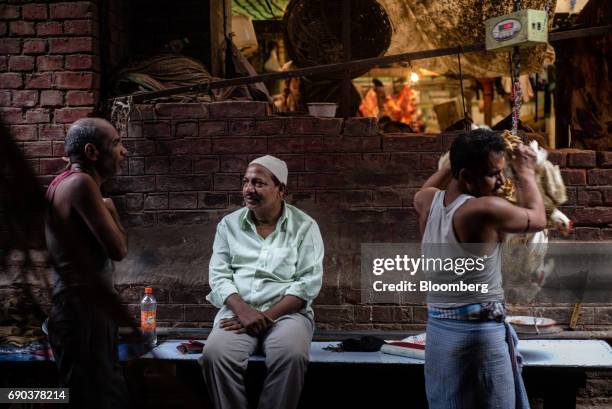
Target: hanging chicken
(523,261)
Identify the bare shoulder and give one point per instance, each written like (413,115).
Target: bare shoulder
(78,186)
(488,206)
(423,198)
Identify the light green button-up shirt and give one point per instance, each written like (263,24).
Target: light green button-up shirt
(262,271)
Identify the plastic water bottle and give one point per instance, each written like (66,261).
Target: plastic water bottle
(148,317)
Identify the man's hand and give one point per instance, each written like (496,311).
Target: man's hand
(254,322)
(232,324)
(524,161)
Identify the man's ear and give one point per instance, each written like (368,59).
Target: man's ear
(91,152)
(282,190)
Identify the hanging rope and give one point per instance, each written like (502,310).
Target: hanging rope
(515,73)
(462,95)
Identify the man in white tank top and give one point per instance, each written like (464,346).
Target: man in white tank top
(467,363)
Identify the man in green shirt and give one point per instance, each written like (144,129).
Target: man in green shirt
(265,271)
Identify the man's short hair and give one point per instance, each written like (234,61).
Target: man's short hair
(79,134)
(471,150)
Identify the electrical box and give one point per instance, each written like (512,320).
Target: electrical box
(519,29)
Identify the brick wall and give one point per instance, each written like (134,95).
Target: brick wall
(48,73)
(184,173)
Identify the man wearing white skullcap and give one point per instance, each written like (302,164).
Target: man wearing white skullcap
(265,271)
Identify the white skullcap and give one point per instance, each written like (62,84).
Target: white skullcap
(274,165)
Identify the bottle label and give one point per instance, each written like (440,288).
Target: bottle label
(147,320)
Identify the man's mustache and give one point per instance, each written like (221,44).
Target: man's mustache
(252,197)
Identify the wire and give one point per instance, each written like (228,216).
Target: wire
(461,85)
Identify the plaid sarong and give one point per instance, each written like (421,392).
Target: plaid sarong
(466,365)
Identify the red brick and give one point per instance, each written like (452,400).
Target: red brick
(185,217)
(186,129)
(227,181)
(411,143)
(9,12)
(301,126)
(557,158)
(205,164)
(70,45)
(185,146)
(134,201)
(241,127)
(49,62)
(39,81)
(581,159)
(179,183)
(607,195)
(157,165)
(78,27)
(51,28)
(58,148)
(360,127)
(233,163)
(328,162)
(429,161)
(588,234)
(51,98)
(69,115)
(200,313)
(604,159)
(270,127)
(183,200)
(134,129)
(156,201)
(139,147)
(3,62)
(51,166)
(180,164)
(25,98)
(136,166)
(589,198)
(21,28)
(5,98)
(34,11)
(131,184)
(34,46)
(11,115)
(291,144)
(210,200)
(600,176)
(350,143)
(329,126)
(37,149)
(181,110)
(574,176)
(71,10)
(10,80)
(37,116)
(212,128)
(156,130)
(238,109)
(240,145)
(80,98)
(24,132)
(79,62)
(74,80)
(21,63)
(3,28)
(335,314)
(593,215)
(10,46)
(51,132)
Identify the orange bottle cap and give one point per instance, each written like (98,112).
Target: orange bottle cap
(148,290)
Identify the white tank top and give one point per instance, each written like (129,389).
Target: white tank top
(440,241)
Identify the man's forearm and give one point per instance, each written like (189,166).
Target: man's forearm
(439,180)
(235,303)
(527,192)
(289,304)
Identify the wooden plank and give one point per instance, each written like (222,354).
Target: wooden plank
(354,65)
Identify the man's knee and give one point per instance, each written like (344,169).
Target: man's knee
(288,357)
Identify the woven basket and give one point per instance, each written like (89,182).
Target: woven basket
(313,32)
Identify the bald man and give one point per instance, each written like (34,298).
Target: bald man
(84,235)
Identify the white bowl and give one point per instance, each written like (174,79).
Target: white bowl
(322,109)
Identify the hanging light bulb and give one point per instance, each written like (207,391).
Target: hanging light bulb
(414,77)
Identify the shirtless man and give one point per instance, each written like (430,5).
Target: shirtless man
(84,235)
